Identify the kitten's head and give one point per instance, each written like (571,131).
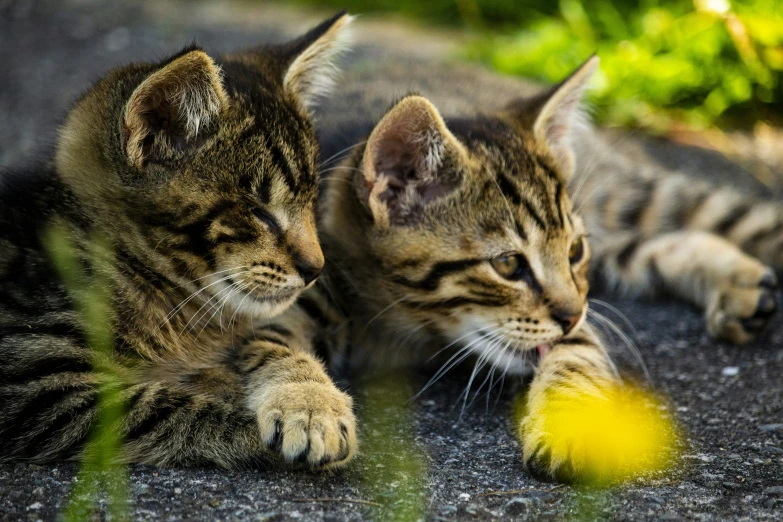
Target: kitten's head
(206,169)
(466,228)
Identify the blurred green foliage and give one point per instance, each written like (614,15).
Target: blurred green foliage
(394,472)
(701,63)
(101,470)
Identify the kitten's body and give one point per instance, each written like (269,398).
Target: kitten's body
(186,190)
(624,200)
(395,293)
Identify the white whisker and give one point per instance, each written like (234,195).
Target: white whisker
(334,157)
(460,356)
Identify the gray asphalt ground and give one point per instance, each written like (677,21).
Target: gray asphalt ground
(728,400)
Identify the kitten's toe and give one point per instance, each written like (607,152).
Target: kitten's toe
(739,314)
(309,423)
(541,465)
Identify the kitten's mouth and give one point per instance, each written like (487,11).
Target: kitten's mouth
(542,350)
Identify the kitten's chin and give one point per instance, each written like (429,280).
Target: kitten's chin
(257,306)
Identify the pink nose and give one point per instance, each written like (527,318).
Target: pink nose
(566,319)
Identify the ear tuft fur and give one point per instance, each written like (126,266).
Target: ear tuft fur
(555,115)
(562,113)
(403,161)
(312,71)
(166,113)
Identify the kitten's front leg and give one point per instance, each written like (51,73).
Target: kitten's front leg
(301,413)
(575,370)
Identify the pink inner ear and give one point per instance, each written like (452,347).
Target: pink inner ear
(407,149)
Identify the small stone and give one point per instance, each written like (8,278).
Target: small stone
(657,500)
(214,503)
(774,490)
(670,517)
(464,497)
(769,504)
(448,509)
(544,496)
(730,371)
(38,492)
(516,506)
(730,485)
(734,456)
(34,506)
(471,509)
(769,428)
(177,491)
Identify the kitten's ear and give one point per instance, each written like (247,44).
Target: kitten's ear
(557,113)
(309,61)
(165,114)
(403,161)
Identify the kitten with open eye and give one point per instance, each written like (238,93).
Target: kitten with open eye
(461,233)
(199,174)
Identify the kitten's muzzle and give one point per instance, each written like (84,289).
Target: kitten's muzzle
(309,270)
(567,319)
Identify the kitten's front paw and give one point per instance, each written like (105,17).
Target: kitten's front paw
(545,462)
(543,458)
(595,437)
(309,422)
(740,310)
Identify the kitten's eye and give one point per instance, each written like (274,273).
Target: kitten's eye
(577,250)
(513,266)
(266,218)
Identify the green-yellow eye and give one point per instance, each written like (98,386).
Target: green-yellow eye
(577,250)
(512,266)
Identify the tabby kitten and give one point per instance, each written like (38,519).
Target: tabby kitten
(200,175)
(462,235)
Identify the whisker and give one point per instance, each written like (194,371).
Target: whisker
(198,312)
(462,354)
(492,382)
(625,339)
(330,169)
(334,157)
(452,343)
(480,363)
(216,273)
(503,378)
(499,347)
(620,314)
(231,321)
(386,309)
(218,307)
(240,288)
(194,294)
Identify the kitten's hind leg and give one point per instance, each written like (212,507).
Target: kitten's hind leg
(737,291)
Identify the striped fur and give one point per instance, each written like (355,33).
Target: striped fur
(416,223)
(200,175)
(654,232)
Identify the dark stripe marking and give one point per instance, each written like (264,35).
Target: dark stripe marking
(440,270)
(733,217)
(625,255)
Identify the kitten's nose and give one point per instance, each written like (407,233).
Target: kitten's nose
(308,270)
(567,319)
